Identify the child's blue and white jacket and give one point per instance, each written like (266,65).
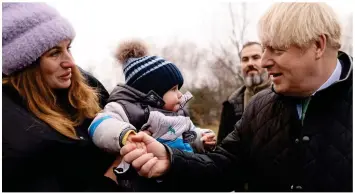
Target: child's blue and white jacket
(129,109)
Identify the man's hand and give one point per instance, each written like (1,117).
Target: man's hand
(150,160)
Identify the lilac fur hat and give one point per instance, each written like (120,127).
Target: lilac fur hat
(28,31)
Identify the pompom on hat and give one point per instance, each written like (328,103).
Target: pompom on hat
(144,72)
(28,31)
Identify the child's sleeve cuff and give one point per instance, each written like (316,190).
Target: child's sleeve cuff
(125,135)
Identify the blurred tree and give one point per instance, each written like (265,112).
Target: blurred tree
(211,74)
(347,38)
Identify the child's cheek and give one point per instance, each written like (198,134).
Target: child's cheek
(176,107)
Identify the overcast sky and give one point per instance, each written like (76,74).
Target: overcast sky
(100,25)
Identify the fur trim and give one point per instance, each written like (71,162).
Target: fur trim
(131,49)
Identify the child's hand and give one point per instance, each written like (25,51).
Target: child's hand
(139,145)
(209,140)
(124,166)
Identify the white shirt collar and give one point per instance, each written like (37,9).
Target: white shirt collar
(333,78)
